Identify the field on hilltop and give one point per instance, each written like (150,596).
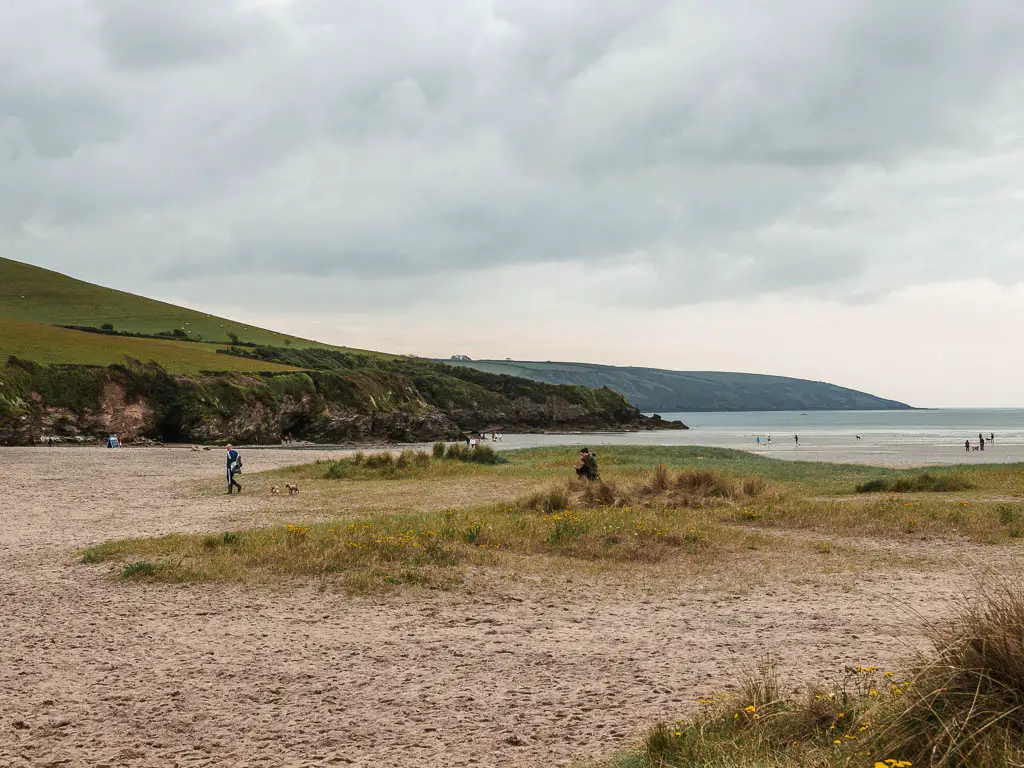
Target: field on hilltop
(51,344)
(39,295)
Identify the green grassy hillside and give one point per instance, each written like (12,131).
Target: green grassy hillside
(52,344)
(38,295)
(654,389)
(77,385)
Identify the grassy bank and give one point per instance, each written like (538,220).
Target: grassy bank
(32,294)
(959,704)
(50,344)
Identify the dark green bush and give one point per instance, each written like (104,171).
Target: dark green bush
(924,482)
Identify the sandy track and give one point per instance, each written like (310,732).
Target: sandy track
(95,672)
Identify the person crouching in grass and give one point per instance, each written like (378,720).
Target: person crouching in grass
(587,466)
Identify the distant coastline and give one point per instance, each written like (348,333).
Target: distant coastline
(658,390)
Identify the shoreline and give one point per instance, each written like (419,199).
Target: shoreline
(866,452)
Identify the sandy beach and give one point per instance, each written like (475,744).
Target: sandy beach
(887,451)
(98,672)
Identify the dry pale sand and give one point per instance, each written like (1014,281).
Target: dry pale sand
(96,672)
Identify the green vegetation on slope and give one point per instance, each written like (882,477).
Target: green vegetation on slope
(51,344)
(447,386)
(39,295)
(654,389)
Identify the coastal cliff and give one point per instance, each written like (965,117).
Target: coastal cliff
(408,403)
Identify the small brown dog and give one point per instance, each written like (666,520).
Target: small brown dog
(274,490)
(292,489)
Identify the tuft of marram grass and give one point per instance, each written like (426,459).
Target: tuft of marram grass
(965,703)
(960,704)
(660,488)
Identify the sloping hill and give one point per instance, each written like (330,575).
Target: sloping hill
(52,344)
(76,385)
(39,295)
(655,389)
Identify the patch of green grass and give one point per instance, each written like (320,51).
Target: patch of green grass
(49,344)
(629,459)
(925,482)
(140,570)
(32,294)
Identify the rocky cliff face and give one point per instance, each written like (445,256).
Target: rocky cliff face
(143,402)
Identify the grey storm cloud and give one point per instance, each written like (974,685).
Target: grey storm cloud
(732,148)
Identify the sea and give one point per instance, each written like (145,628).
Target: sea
(904,437)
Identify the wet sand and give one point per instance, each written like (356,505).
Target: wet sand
(873,450)
(506,672)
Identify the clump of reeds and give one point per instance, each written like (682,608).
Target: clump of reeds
(480,454)
(662,487)
(964,705)
(959,705)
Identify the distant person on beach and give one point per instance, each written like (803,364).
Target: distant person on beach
(234,466)
(967,445)
(981,441)
(758,441)
(587,466)
(796,439)
(992,437)
(769,441)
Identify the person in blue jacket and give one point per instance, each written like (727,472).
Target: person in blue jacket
(234,467)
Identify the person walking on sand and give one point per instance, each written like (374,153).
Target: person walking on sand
(234,466)
(981,441)
(796,439)
(967,445)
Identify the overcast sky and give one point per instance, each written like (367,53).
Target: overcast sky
(832,189)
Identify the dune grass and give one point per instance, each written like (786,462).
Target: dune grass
(391,548)
(958,704)
(404,528)
(447,460)
(395,518)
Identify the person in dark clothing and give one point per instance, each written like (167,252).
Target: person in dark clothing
(234,466)
(587,466)
(981,441)
(967,445)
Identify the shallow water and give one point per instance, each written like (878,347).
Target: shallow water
(896,438)
(884,438)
